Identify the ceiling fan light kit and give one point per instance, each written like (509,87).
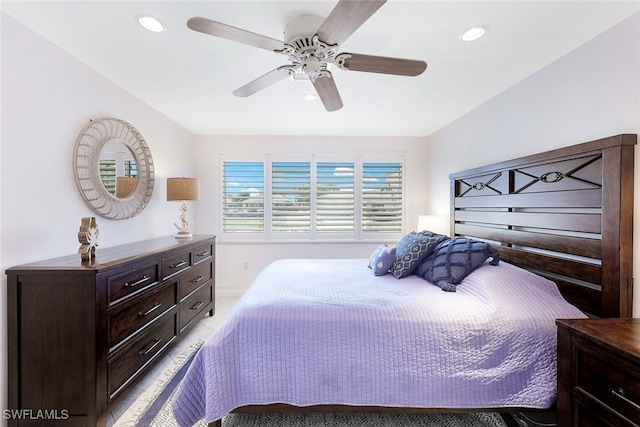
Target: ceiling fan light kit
(311,44)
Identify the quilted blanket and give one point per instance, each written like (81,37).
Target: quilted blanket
(311,332)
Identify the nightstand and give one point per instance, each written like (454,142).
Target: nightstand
(598,372)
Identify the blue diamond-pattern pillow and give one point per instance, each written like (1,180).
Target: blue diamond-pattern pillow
(382,259)
(454,259)
(412,249)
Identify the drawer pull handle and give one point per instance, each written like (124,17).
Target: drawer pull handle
(151,310)
(154,344)
(197,305)
(620,394)
(197,279)
(139,282)
(178,265)
(205,253)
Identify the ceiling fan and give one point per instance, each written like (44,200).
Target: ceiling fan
(311,43)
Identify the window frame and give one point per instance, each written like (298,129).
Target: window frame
(268,234)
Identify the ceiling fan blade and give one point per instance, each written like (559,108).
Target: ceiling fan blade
(346,18)
(225,31)
(328,92)
(262,82)
(381,64)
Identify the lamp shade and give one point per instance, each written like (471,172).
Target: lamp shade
(183,189)
(125,186)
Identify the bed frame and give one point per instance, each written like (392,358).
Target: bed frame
(565,214)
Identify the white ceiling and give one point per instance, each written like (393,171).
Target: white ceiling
(190,76)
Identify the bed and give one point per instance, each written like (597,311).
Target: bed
(331,336)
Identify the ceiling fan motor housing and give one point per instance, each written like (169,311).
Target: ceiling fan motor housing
(299,32)
(309,56)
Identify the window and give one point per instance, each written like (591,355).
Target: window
(108,174)
(335,197)
(382,197)
(316,198)
(243,197)
(291,197)
(130,168)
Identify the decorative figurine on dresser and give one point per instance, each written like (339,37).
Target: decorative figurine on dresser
(81,332)
(88,238)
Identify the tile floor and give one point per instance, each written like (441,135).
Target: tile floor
(201,331)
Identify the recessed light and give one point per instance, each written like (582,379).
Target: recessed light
(309,97)
(151,24)
(472,34)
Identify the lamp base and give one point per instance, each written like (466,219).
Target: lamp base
(183,226)
(183,235)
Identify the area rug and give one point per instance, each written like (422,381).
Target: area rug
(160,414)
(350,420)
(150,402)
(165,397)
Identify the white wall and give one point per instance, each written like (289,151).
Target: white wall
(47,98)
(593,92)
(232,276)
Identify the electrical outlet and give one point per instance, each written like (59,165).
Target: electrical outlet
(246,265)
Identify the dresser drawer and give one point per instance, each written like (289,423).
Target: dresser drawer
(194,279)
(175,264)
(126,284)
(127,321)
(202,253)
(604,377)
(589,413)
(124,367)
(195,305)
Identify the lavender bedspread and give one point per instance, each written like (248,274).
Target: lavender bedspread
(314,332)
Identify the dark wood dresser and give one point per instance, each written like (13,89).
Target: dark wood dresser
(599,372)
(81,332)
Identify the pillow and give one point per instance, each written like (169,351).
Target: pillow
(412,249)
(382,259)
(453,260)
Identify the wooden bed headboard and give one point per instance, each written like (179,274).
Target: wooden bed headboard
(565,214)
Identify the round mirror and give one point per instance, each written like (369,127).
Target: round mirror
(113,168)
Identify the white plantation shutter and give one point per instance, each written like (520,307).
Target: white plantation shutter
(382,197)
(243,197)
(108,174)
(291,197)
(309,197)
(334,197)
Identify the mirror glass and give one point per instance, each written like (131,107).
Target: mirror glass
(118,169)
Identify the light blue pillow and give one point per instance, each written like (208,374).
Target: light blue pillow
(382,259)
(412,249)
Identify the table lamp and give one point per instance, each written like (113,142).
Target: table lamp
(183,190)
